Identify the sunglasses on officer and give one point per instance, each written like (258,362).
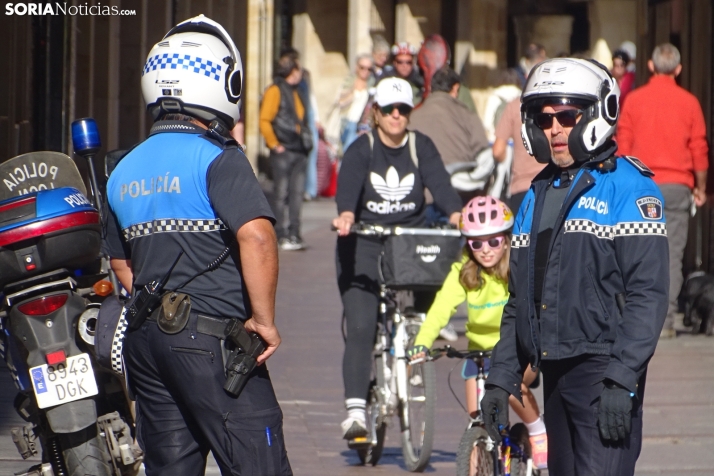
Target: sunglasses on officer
(494,243)
(566,118)
(403,109)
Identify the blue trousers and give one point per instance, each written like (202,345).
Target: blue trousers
(571,389)
(183,411)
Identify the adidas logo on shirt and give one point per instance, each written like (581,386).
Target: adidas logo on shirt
(392,190)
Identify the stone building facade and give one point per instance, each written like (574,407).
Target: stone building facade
(59,68)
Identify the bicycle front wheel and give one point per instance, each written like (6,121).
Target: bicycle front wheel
(521,462)
(417,409)
(473,457)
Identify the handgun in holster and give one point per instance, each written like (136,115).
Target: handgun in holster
(242,361)
(146,300)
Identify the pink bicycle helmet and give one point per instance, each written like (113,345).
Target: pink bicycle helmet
(484,216)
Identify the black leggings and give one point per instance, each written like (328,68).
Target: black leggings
(358,281)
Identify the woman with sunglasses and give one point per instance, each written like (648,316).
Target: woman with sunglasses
(381,182)
(353,100)
(481,279)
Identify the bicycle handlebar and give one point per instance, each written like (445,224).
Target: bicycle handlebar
(452,353)
(366,229)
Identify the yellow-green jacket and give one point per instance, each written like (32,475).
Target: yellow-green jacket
(485,308)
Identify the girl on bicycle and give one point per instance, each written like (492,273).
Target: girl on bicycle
(481,279)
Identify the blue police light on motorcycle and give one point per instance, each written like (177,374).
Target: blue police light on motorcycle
(85,136)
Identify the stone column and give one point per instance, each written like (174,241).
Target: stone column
(612,21)
(258,66)
(358,26)
(406,25)
(480,47)
(551,31)
(113,63)
(323,50)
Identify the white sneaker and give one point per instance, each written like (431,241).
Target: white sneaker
(294,243)
(449,333)
(353,428)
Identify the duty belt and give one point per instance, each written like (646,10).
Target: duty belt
(247,346)
(208,325)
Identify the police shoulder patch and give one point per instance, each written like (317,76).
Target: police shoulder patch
(650,208)
(637,163)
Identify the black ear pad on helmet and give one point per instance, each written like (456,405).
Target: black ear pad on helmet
(234,83)
(609,107)
(576,141)
(539,142)
(576,145)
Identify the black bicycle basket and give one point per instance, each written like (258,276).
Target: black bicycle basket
(419,258)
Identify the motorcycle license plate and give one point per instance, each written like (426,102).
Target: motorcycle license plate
(62,383)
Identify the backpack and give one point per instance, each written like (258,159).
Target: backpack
(412,146)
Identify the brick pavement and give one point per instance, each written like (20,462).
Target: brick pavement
(679,408)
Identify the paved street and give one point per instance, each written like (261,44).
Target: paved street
(306,371)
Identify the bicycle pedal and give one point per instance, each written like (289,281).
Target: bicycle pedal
(359,443)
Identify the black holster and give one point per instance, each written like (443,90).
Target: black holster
(242,361)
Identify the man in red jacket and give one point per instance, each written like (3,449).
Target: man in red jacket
(663,125)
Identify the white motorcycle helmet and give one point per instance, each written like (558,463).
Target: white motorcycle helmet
(583,83)
(195,69)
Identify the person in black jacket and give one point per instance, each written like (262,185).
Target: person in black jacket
(589,276)
(381,181)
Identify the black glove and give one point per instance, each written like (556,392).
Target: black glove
(415,350)
(615,412)
(494,408)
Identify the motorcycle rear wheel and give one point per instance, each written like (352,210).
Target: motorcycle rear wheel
(85,452)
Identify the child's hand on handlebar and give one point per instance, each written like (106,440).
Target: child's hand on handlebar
(417,353)
(343,223)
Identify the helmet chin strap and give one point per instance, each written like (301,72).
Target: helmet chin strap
(567,174)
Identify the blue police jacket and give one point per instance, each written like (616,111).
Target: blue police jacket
(185,192)
(610,238)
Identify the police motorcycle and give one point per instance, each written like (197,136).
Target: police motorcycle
(52,283)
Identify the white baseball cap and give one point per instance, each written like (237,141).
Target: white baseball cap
(394,91)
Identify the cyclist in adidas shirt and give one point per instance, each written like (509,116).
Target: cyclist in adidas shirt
(381,181)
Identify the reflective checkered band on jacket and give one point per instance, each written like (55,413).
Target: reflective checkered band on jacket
(640,228)
(610,232)
(118,344)
(169,226)
(187,62)
(520,241)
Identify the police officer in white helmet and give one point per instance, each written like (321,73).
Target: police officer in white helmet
(188,196)
(589,276)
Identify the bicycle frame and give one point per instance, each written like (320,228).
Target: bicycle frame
(507,452)
(398,389)
(392,342)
